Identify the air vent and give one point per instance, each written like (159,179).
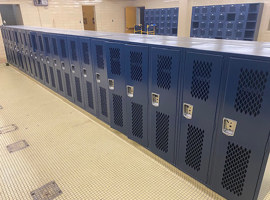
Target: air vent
(194,147)
(103,101)
(68,85)
(137,120)
(99,54)
(162,131)
(164,67)
(201,76)
(117,110)
(250,91)
(136,66)
(59,77)
(90,94)
(115,61)
(78,89)
(235,168)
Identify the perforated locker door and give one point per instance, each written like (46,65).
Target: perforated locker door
(238,154)
(137,73)
(200,93)
(25,51)
(41,58)
(165,64)
(117,89)
(65,72)
(75,68)
(30,53)
(34,54)
(88,83)
(101,78)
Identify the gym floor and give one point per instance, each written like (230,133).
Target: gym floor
(74,154)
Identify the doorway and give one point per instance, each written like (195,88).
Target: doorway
(89,19)
(11,14)
(134,16)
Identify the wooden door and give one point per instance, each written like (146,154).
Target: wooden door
(130,19)
(89,20)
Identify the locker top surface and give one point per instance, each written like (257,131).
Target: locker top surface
(252,48)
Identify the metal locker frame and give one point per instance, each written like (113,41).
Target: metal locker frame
(75,68)
(163,90)
(65,66)
(88,81)
(137,78)
(201,82)
(100,73)
(239,153)
(116,84)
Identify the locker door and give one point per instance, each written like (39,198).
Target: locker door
(243,130)
(65,65)
(116,81)
(25,52)
(30,53)
(40,60)
(163,101)
(75,65)
(21,50)
(89,85)
(200,96)
(34,55)
(137,71)
(55,69)
(101,78)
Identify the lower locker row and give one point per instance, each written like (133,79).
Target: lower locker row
(199,110)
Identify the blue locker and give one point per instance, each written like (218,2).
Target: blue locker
(163,89)
(75,67)
(25,51)
(242,133)
(17,49)
(41,59)
(65,65)
(35,55)
(116,81)
(100,70)
(88,81)
(56,70)
(199,102)
(137,73)
(30,53)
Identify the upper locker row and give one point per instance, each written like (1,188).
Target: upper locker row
(201,110)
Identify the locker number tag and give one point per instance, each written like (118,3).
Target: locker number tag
(229,126)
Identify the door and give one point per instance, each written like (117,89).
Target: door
(130,19)
(243,130)
(89,20)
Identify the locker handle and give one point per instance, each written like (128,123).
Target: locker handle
(26,52)
(130,91)
(155,99)
(73,69)
(111,84)
(229,126)
(98,77)
(41,58)
(84,72)
(63,65)
(54,62)
(47,59)
(187,110)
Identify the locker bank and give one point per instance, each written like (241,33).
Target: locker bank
(105,115)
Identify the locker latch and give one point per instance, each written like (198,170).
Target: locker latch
(47,59)
(187,110)
(41,58)
(84,72)
(62,65)
(98,77)
(111,84)
(54,62)
(36,56)
(155,99)
(73,69)
(26,52)
(130,91)
(229,126)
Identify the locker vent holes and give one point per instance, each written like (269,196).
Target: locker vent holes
(73,50)
(250,91)
(137,120)
(99,54)
(136,66)
(68,84)
(59,76)
(115,61)
(201,76)
(235,168)
(78,89)
(194,147)
(117,110)
(85,53)
(90,94)
(103,101)
(164,66)
(52,77)
(162,131)
(63,48)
